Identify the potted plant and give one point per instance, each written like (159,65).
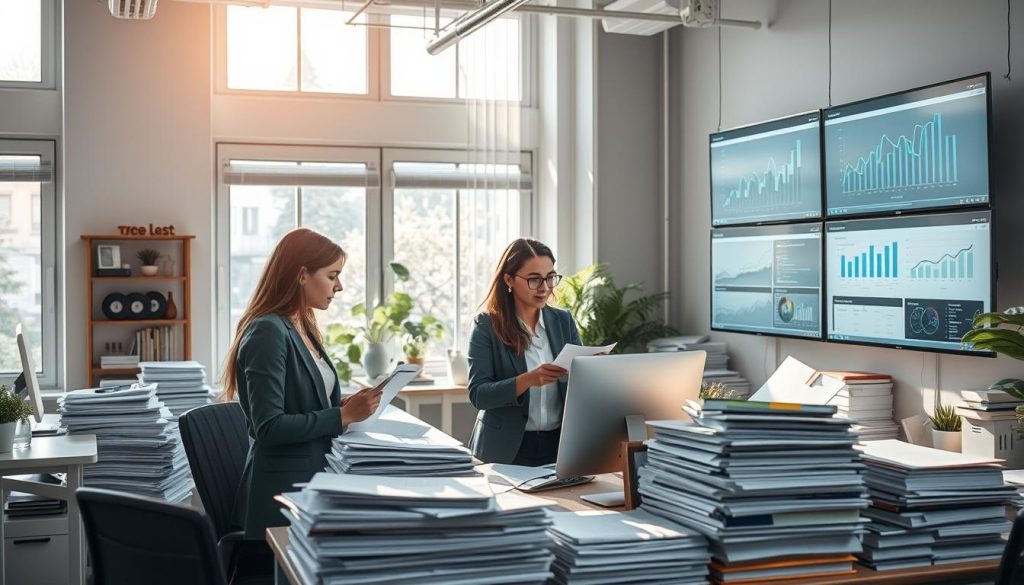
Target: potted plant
(946,426)
(148,257)
(417,334)
(13,409)
(381,325)
(1001,333)
(604,314)
(715,391)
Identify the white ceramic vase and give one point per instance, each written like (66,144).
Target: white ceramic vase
(946,440)
(375,360)
(150,270)
(7,436)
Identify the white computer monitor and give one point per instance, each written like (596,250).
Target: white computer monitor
(28,376)
(605,391)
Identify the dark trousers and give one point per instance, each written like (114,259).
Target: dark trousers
(538,448)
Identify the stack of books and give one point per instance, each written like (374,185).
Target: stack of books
(157,344)
(138,446)
(776,488)
(932,507)
(22,505)
(402,445)
(867,399)
(716,365)
(360,529)
(181,386)
(119,362)
(625,547)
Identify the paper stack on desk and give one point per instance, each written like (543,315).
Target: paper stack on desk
(361,529)
(716,364)
(867,399)
(932,507)
(181,386)
(764,482)
(138,446)
(594,548)
(399,444)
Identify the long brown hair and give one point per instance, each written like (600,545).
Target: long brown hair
(500,304)
(278,289)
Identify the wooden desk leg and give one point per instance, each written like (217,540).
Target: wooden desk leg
(76,548)
(279,576)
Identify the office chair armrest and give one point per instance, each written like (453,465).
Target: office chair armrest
(227,546)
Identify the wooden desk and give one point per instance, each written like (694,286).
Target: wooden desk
(63,454)
(568,500)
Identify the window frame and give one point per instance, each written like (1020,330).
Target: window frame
(49,52)
(52,327)
(389,156)
(289,153)
(378,66)
(220,63)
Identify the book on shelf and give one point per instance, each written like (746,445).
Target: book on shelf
(157,344)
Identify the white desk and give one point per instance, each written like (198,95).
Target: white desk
(65,454)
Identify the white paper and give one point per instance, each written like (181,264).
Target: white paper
(403,375)
(910,456)
(797,383)
(570,351)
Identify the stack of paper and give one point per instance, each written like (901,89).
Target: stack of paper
(21,504)
(119,361)
(180,385)
(988,405)
(764,482)
(716,365)
(593,548)
(932,507)
(361,529)
(138,445)
(866,398)
(1015,477)
(399,444)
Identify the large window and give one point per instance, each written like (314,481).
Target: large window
(27,43)
(296,50)
(304,50)
(445,220)
(27,250)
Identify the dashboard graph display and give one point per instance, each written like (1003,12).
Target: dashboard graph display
(767,172)
(911,281)
(920,149)
(767,279)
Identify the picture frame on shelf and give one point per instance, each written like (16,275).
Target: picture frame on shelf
(108,256)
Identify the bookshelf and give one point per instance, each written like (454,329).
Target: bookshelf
(101,330)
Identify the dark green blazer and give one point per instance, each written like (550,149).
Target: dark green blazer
(290,419)
(493,368)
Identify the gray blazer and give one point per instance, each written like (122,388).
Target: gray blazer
(290,419)
(493,368)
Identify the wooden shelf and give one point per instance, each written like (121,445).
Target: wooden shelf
(96,370)
(137,238)
(134,278)
(139,322)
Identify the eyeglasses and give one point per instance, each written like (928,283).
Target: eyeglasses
(534,281)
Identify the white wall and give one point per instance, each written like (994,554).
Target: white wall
(878,47)
(137,146)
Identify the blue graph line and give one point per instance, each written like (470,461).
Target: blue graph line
(928,157)
(775,186)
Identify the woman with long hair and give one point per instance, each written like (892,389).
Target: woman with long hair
(519,392)
(285,382)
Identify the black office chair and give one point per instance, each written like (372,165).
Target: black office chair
(216,444)
(1010,570)
(134,539)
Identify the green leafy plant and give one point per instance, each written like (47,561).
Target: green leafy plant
(1002,333)
(946,419)
(715,391)
(386,321)
(418,333)
(148,256)
(605,313)
(12,407)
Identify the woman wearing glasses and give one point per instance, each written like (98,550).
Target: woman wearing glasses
(519,392)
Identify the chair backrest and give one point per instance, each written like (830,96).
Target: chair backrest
(1010,570)
(135,539)
(216,443)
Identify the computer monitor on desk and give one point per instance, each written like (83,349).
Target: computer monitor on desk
(26,384)
(608,393)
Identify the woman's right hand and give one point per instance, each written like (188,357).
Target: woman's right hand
(544,374)
(359,406)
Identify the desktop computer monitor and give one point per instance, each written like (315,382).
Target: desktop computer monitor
(606,390)
(27,381)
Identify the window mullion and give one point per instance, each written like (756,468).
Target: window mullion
(298,49)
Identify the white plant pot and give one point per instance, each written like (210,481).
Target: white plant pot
(7,436)
(375,360)
(946,440)
(150,270)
